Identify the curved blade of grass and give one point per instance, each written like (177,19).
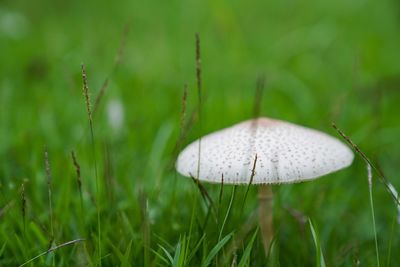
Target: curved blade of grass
(253,172)
(371,202)
(247,251)
(177,255)
(273,253)
(320,261)
(161,257)
(194,250)
(171,260)
(389,253)
(181,252)
(216,249)
(125,259)
(227,212)
(389,187)
(2,248)
(53,249)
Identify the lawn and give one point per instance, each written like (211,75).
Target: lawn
(121,201)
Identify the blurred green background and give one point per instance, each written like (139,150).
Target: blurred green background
(324,61)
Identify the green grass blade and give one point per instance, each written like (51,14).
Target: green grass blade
(246,254)
(273,255)
(171,260)
(389,253)
(371,201)
(320,261)
(194,250)
(178,254)
(125,259)
(161,257)
(227,212)
(216,249)
(116,251)
(2,248)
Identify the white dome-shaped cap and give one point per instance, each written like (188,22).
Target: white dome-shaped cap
(286,153)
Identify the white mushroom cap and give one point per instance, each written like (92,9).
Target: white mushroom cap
(286,153)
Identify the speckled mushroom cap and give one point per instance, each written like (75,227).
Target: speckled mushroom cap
(286,153)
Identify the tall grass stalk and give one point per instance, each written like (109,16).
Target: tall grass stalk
(373,212)
(253,173)
(78,177)
(23,206)
(145,226)
(258,96)
(49,182)
(86,94)
(199,92)
(389,253)
(221,192)
(227,212)
(183,110)
(389,187)
(370,166)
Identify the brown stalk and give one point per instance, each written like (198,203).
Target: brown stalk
(265,199)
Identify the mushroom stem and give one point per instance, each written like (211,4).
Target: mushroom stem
(265,198)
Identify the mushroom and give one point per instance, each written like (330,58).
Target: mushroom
(263,152)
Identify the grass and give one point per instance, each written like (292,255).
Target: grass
(319,258)
(86,94)
(322,63)
(371,201)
